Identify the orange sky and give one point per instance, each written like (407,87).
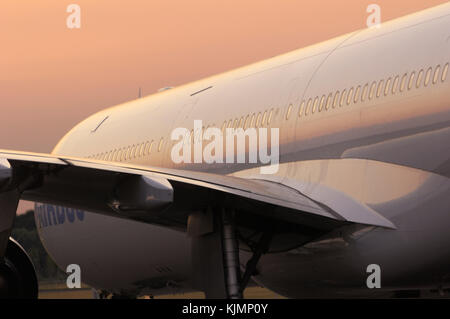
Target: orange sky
(52,77)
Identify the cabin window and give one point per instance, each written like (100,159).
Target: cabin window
(308,106)
(356,97)
(444,73)
(150,149)
(263,121)
(419,78)
(322,103)
(252,121)
(244,126)
(258,120)
(328,104)
(411,80)
(288,113)
(336,99)
(269,118)
(372,90)
(403,83)
(380,88)
(436,74)
(364,92)
(187,138)
(300,109)
(246,122)
(139,150)
(241,122)
(386,87)
(427,77)
(160,144)
(349,96)
(128,153)
(395,84)
(342,97)
(316,103)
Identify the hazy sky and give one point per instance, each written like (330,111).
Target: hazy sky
(52,77)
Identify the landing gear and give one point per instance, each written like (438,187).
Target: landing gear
(260,249)
(230,247)
(215,254)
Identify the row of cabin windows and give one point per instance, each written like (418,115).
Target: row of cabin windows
(129,153)
(145,149)
(250,120)
(392,85)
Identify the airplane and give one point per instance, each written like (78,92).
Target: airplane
(362,181)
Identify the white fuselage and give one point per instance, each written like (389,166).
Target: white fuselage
(374,130)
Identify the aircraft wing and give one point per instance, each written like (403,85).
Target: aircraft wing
(160,196)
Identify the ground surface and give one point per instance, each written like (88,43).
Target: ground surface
(60,291)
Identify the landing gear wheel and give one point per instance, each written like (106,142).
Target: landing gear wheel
(17,275)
